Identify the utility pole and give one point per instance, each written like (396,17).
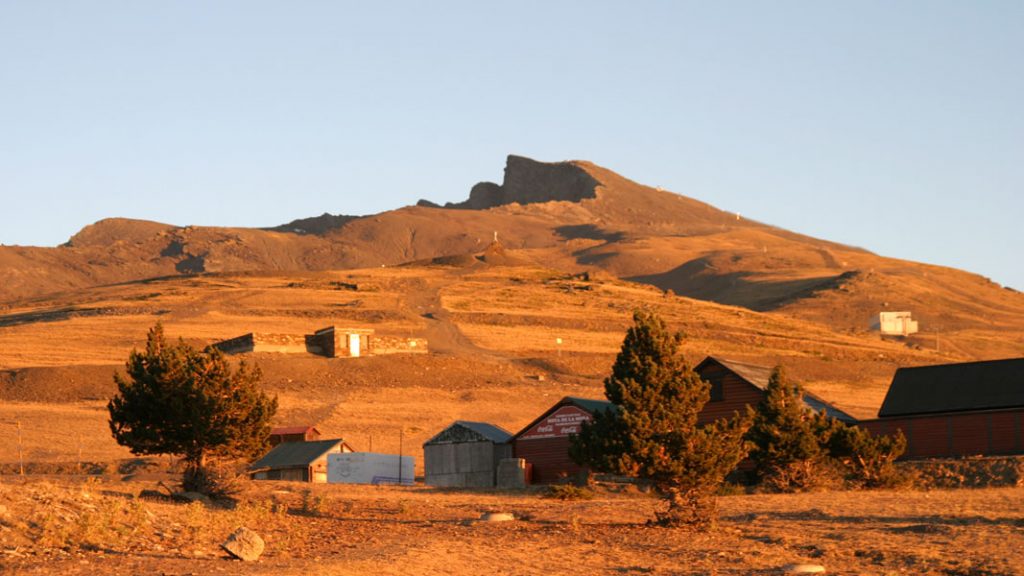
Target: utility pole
(401,441)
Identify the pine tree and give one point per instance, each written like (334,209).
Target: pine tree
(786,451)
(179,400)
(653,433)
(869,461)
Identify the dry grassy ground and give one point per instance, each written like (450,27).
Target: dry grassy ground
(99,527)
(493,333)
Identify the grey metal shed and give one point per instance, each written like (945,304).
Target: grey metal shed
(297,461)
(465,454)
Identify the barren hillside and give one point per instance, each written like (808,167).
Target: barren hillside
(570,216)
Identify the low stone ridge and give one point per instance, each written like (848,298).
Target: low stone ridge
(244,544)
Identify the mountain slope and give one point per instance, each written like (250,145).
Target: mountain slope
(572,216)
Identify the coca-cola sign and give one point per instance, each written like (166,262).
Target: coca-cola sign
(565,421)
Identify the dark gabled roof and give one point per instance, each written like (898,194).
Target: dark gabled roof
(758,377)
(752,373)
(485,432)
(587,404)
(293,454)
(987,385)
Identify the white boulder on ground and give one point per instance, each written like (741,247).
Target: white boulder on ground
(803,569)
(496,517)
(244,544)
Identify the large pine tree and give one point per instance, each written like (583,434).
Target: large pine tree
(178,400)
(653,433)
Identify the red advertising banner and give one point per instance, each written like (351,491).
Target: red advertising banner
(562,422)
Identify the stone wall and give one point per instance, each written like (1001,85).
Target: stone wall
(238,345)
(397,345)
(330,342)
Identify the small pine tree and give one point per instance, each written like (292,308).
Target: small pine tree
(179,400)
(654,434)
(869,460)
(785,447)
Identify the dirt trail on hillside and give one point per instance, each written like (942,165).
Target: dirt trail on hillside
(443,335)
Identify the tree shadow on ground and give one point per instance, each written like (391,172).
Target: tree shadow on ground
(909,523)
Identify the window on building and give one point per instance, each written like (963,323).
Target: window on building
(717,391)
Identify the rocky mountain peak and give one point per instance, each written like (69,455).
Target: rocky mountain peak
(528,181)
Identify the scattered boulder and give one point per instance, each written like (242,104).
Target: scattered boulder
(193,497)
(244,544)
(496,517)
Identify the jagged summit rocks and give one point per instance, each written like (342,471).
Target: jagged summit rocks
(529,181)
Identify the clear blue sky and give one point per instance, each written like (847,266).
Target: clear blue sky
(896,126)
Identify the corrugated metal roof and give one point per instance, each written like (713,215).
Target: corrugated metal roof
(486,431)
(818,405)
(291,454)
(292,430)
(984,385)
(758,377)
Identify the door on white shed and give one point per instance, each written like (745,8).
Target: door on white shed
(353,345)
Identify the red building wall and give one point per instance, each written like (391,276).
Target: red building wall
(736,394)
(546,444)
(992,432)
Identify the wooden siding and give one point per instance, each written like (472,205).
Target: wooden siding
(308,436)
(736,393)
(956,434)
(549,458)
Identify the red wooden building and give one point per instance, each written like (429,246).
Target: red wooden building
(736,385)
(544,443)
(950,410)
(293,434)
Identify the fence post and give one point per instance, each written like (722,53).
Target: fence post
(21,453)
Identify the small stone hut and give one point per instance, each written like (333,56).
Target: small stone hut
(337,342)
(465,454)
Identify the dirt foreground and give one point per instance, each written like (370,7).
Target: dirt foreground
(74,526)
